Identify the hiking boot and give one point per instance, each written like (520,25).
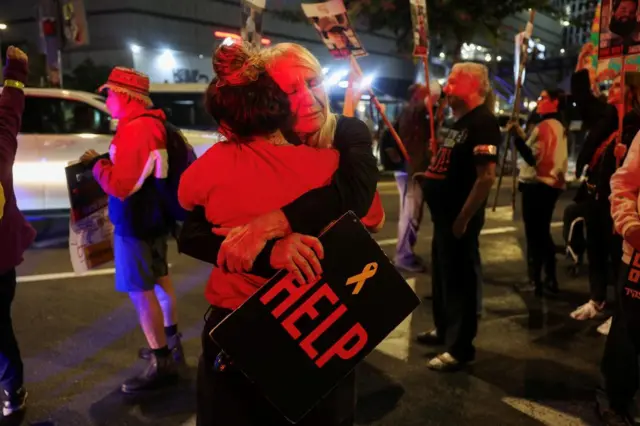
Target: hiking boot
(175,346)
(14,402)
(159,372)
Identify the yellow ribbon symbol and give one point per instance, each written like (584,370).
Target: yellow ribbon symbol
(359,279)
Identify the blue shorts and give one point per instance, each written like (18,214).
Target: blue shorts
(139,262)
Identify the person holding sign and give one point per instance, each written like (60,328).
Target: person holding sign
(16,235)
(456,188)
(256,171)
(620,360)
(542,180)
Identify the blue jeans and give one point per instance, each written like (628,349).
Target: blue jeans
(11,368)
(410,216)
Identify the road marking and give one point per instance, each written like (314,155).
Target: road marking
(66,275)
(487,231)
(397,343)
(542,413)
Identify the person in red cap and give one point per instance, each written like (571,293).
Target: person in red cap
(137,160)
(15,232)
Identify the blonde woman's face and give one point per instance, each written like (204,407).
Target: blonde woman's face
(306,94)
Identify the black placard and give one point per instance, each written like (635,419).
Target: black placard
(290,340)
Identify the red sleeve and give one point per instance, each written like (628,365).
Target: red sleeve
(375,218)
(137,152)
(198,179)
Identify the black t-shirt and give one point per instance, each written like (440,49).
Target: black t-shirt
(470,141)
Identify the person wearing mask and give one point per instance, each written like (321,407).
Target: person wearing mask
(253,104)
(620,360)
(16,235)
(137,159)
(414,131)
(457,184)
(600,155)
(541,181)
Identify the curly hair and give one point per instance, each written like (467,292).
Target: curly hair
(243,99)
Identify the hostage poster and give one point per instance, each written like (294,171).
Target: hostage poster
(331,21)
(90,231)
(420,27)
(251,28)
(619,29)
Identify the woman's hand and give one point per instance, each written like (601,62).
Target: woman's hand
(300,255)
(244,243)
(514,128)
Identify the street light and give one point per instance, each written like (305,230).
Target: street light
(3,27)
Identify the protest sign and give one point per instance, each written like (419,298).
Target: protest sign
(251,28)
(331,21)
(296,342)
(420,27)
(90,231)
(619,29)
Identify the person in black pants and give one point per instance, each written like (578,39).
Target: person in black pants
(15,232)
(223,396)
(456,186)
(542,180)
(598,155)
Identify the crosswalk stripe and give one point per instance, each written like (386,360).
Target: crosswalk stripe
(542,413)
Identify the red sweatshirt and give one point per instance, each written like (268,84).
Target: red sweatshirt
(239,182)
(16,235)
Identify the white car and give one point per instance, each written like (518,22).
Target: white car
(58,126)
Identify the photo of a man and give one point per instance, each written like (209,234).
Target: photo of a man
(332,23)
(251,29)
(619,29)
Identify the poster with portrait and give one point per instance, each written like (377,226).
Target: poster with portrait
(75,30)
(420,27)
(331,21)
(619,29)
(90,230)
(251,26)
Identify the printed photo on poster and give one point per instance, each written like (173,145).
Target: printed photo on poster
(74,23)
(420,27)
(331,21)
(90,231)
(619,29)
(251,28)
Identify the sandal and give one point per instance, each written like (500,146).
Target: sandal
(445,362)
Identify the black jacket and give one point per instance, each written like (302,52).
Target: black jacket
(352,188)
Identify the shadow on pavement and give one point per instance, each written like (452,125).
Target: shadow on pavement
(171,406)
(378,394)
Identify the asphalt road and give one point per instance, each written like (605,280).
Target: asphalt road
(535,365)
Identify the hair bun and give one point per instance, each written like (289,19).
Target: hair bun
(237,63)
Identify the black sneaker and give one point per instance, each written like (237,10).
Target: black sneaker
(14,402)
(175,346)
(159,372)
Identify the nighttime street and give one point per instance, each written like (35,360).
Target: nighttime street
(535,365)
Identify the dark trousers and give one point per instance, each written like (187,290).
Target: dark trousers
(229,399)
(603,246)
(455,286)
(620,360)
(11,368)
(538,203)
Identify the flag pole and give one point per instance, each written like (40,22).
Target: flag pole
(515,115)
(376,102)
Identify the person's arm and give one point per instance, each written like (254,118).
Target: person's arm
(352,188)
(599,132)
(11,107)
(196,240)
(523,144)
(625,188)
(138,154)
(485,155)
